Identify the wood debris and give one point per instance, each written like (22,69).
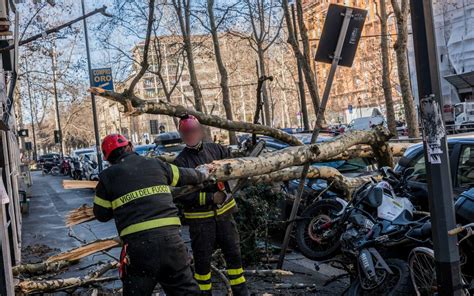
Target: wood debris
(86,250)
(79,184)
(80,215)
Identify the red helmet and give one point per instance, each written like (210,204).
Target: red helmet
(112,142)
(187,123)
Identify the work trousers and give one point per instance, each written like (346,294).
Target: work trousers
(208,235)
(158,256)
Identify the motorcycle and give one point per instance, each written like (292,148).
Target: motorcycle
(374,233)
(76,169)
(90,168)
(65,167)
(317,243)
(50,167)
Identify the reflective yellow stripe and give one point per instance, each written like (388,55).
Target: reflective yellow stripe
(205,287)
(202,277)
(235,271)
(102,202)
(175,171)
(201,215)
(150,225)
(131,196)
(237,281)
(202,198)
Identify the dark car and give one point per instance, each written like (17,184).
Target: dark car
(461,159)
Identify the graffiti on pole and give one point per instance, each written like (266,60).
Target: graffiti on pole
(433,128)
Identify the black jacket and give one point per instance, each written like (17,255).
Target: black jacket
(200,205)
(135,192)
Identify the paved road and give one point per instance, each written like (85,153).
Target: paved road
(45,234)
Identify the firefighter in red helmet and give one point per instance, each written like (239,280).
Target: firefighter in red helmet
(209,212)
(135,191)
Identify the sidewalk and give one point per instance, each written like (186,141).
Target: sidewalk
(45,234)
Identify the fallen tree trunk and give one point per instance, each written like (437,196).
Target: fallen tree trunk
(41,268)
(135,106)
(245,167)
(86,250)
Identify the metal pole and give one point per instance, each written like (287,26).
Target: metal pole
(56,101)
(35,152)
(304,108)
(94,107)
(436,151)
(314,137)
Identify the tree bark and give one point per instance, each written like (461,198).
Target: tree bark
(245,167)
(29,286)
(401,13)
(183,11)
(302,57)
(135,106)
(41,268)
(268,120)
(224,83)
(386,82)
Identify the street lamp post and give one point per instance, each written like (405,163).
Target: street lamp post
(91,82)
(56,101)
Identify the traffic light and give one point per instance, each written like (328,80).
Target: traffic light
(28,146)
(57,137)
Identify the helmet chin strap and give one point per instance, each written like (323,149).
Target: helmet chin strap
(197,146)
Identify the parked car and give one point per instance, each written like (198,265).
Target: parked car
(144,149)
(366,123)
(461,159)
(167,145)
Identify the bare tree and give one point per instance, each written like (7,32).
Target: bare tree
(304,57)
(402,11)
(265,21)
(213,27)
(385,55)
(169,81)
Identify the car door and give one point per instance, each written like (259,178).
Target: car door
(464,173)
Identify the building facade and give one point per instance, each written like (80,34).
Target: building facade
(168,80)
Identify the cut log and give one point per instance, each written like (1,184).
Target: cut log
(245,167)
(78,184)
(136,106)
(79,215)
(86,250)
(41,268)
(29,286)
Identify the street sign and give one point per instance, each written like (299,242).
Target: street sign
(23,133)
(103,78)
(332,27)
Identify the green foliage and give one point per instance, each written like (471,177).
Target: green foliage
(260,208)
